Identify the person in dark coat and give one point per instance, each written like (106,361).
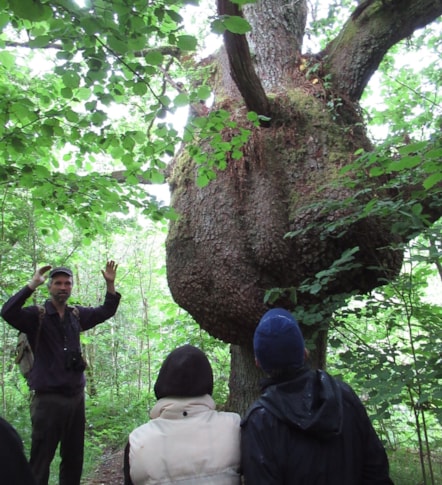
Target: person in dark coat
(307,427)
(15,469)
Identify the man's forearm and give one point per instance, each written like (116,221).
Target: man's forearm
(110,287)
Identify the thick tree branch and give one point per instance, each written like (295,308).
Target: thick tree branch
(373,28)
(242,70)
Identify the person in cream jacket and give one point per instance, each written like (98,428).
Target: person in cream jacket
(187,440)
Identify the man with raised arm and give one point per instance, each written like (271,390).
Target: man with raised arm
(57,377)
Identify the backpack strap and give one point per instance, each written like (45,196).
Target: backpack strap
(76,312)
(41,314)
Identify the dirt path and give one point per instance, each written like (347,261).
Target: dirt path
(109,471)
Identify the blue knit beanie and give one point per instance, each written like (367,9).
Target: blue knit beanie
(278,342)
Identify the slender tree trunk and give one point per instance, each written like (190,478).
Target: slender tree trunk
(90,375)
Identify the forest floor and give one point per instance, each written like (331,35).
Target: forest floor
(109,471)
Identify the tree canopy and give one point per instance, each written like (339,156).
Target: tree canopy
(85,95)
(89,91)
(89,88)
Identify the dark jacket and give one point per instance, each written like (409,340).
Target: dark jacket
(309,429)
(15,469)
(56,340)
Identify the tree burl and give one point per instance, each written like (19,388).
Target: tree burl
(230,245)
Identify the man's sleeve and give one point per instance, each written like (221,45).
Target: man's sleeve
(375,467)
(23,319)
(91,316)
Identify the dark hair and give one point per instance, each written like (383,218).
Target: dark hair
(186,372)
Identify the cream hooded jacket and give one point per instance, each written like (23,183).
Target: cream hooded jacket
(187,442)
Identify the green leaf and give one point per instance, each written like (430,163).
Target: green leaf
(16,145)
(187,42)
(434,153)
(204,92)
(181,100)
(252,116)
(98,118)
(84,93)
(140,88)
(236,25)
(40,41)
(376,171)
(237,154)
(7,59)
(136,23)
(71,79)
(22,112)
(154,176)
(4,19)
(71,116)
(432,180)
(31,10)
(412,148)
(128,143)
(117,45)
(137,43)
(315,288)
(41,171)
(405,163)
(66,93)
(175,16)
(154,58)
(202,180)
(218,27)
(132,179)
(90,25)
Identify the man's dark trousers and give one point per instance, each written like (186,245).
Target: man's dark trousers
(57,418)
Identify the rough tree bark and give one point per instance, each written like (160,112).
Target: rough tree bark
(228,246)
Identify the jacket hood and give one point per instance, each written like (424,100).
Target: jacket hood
(186,372)
(307,400)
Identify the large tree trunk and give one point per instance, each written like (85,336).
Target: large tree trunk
(245,378)
(229,247)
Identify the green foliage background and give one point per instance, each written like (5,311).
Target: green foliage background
(88,96)
(387,345)
(124,353)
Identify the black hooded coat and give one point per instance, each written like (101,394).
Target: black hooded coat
(15,469)
(307,428)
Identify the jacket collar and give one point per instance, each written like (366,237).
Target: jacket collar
(179,407)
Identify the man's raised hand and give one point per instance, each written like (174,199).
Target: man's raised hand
(39,277)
